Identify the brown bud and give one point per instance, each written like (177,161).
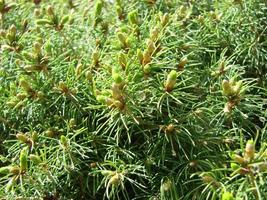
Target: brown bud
(119,105)
(193,164)
(170,128)
(50,10)
(154,34)
(182,63)
(146,58)
(93,165)
(14,170)
(63,87)
(151,47)
(37,2)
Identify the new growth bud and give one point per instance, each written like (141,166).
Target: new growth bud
(239,159)
(182,63)
(164,19)
(23,159)
(50,10)
(22,137)
(133,18)
(122,58)
(98,8)
(171,80)
(227,196)
(123,39)
(63,141)
(249,150)
(114,180)
(95,57)
(36,159)
(227,89)
(140,56)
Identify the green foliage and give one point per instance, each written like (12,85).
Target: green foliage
(140,99)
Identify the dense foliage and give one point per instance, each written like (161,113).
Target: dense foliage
(133,99)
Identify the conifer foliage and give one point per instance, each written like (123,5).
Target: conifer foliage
(133,99)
